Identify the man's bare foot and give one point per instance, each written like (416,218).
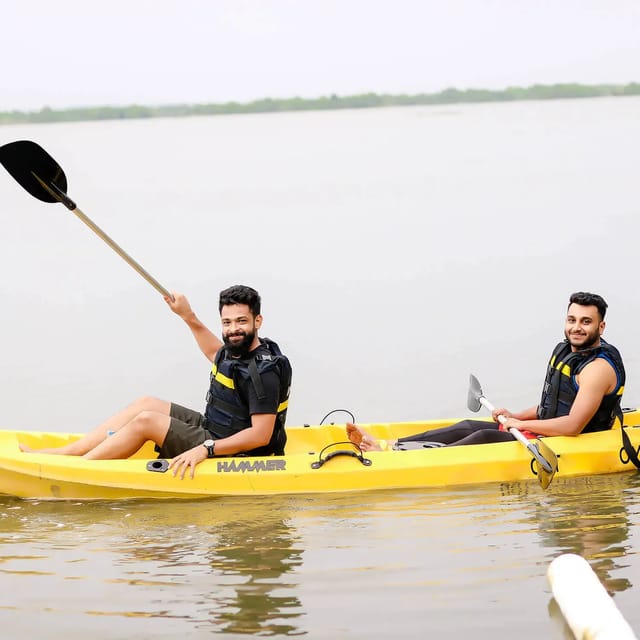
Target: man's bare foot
(361,438)
(24,448)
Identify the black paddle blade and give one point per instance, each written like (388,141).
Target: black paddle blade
(35,170)
(474,394)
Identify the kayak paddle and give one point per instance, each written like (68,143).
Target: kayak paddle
(39,174)
(545,460)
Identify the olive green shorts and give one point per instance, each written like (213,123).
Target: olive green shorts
(186,430)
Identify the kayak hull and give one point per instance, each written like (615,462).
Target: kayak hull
(318,459)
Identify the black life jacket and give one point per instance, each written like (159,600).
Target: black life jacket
(227,412)
(560,386)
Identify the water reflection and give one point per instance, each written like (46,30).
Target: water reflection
(458,562)
(238,552)
(222,566)
(260,553)
(589,516)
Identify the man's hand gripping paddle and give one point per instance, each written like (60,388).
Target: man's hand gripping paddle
(545,461)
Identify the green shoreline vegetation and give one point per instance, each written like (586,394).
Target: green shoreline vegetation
(362,101)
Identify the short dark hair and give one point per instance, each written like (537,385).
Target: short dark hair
(589,299)
(240,294)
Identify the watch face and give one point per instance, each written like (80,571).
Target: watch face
(209,445)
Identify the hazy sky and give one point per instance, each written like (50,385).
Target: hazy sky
(84,52)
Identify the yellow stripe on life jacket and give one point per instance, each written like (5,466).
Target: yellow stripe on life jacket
(564,369)
(561,366)
(282,406)
(221,378)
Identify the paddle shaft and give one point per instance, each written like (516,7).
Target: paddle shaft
(122,253)
(71,205)
(518,436)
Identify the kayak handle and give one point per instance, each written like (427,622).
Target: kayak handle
(354,453)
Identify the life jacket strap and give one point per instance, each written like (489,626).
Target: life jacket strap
(626,443)
(255,378)
(232,409)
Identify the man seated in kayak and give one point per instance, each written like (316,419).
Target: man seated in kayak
(582,391)
(246,404)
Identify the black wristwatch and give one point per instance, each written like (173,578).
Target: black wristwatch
(210,446)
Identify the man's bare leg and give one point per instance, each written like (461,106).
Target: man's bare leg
(364,440)
(147,425)
(114,424)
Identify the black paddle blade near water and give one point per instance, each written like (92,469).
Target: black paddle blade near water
(35,170)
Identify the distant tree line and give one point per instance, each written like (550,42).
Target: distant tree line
(362,101)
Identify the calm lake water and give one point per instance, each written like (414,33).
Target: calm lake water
(446,563)
(397,250)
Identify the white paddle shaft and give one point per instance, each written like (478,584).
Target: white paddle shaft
(514,432)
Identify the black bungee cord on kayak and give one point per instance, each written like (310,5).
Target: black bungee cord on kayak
(353,418)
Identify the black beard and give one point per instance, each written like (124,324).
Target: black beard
(239,349)
(591,341)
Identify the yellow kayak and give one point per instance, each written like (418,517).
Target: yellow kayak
(318,459)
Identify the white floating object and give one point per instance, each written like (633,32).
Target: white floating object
(585,604)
